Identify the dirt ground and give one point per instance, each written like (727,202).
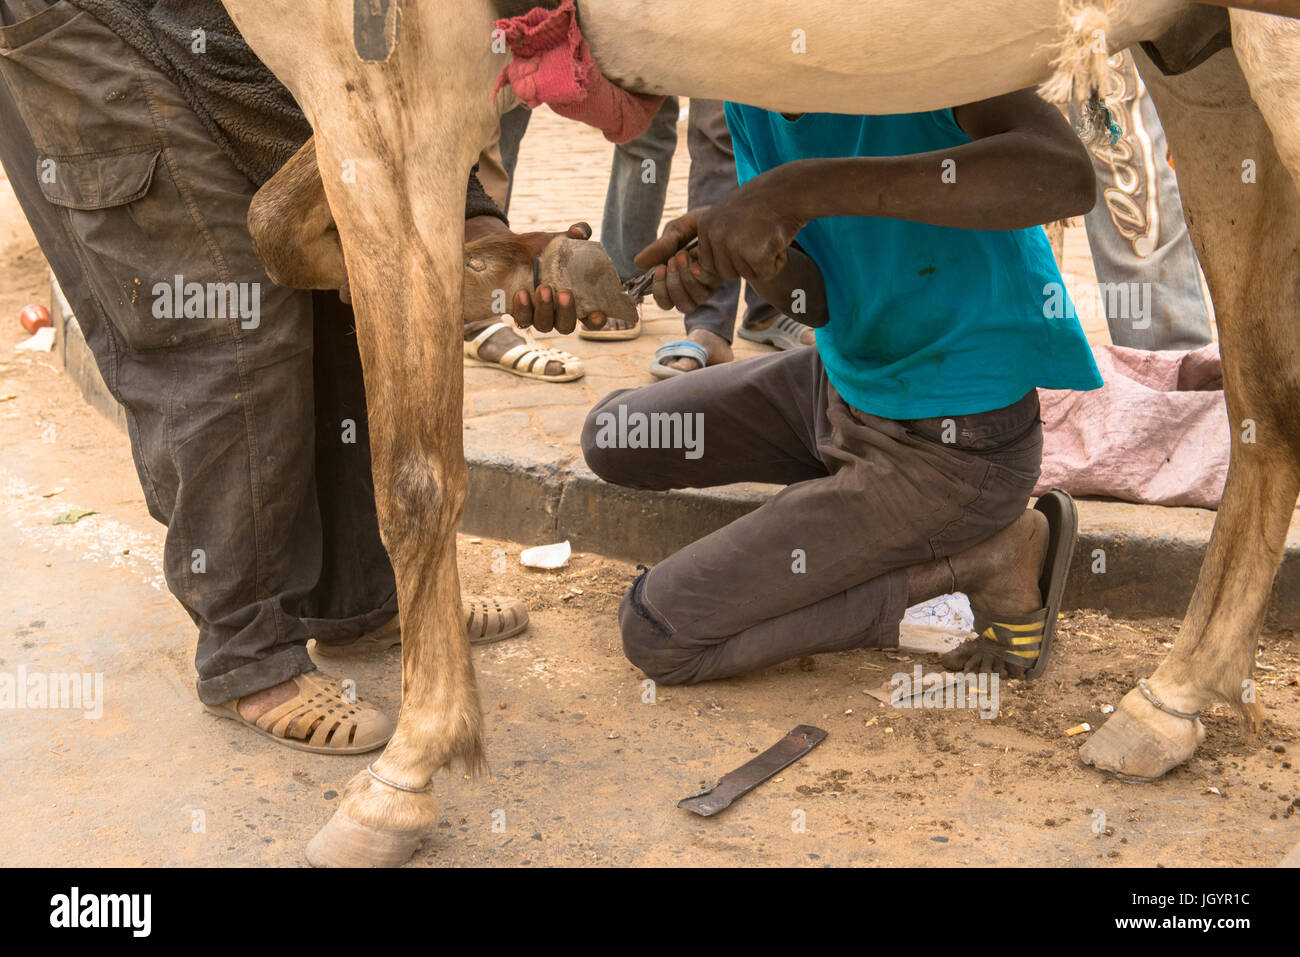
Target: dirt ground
(584,769)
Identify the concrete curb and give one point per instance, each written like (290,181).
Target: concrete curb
(1132,561)
(530,492)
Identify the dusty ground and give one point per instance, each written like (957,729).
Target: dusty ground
(584,771)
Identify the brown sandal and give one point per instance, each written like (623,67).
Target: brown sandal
(317,719)
(487,619)
(388,635)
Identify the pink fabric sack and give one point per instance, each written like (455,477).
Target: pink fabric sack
(1157,432)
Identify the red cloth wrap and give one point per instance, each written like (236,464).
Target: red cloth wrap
(552,64)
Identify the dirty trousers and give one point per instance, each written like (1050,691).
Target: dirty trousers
(249,435)
(822,565)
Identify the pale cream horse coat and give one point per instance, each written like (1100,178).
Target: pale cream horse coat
(395,140)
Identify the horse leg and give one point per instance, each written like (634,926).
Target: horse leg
(293,229)
(395,139)
(1243,210)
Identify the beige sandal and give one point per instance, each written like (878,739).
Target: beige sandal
(487,619)
(388,635)
(526,359)
(493,619)
(317,719)
(611,335)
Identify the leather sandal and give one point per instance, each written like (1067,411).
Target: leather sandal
(526,359)
(488,618)
(317,719)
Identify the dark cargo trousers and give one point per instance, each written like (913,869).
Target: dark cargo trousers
(822,565)
(248,431)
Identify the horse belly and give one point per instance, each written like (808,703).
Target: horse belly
(887,56)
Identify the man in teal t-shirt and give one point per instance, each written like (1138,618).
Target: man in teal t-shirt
(909,440)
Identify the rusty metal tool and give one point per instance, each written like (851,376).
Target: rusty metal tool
(753,773)
(638,286)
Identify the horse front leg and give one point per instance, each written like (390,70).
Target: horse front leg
(1243,210)
(407,299)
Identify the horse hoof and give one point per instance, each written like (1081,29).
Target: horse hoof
(1141,743)
(586,269)
(343,842)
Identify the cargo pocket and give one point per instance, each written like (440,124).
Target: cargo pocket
(150,265)
(84,96)
(97,182)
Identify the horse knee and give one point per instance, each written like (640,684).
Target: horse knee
(423,500)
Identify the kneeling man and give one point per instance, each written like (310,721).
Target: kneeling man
(909,439)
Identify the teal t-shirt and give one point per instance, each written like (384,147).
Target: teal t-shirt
(924,320)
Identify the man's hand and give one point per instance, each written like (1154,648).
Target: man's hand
(545,308)
(747,233)
(744,236)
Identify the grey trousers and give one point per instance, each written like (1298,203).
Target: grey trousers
(822,565)
(249,434)
(1137,233)
(638,183)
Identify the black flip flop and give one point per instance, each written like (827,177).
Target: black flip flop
(1063,534)
(1019,639)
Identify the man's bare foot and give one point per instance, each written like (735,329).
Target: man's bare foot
(718,348)
(501,342)
(1000,577)
(613,324)
(253,706)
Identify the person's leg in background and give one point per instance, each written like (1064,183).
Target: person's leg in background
(634,201)
(1146,267)
(712,326)
(355,592)
(497,161)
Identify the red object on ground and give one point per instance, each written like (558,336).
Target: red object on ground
(552,64)
(34,316)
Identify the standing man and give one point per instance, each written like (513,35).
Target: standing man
(135,134)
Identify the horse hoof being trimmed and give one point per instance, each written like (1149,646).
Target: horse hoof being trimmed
(1140,742)
(351,838)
